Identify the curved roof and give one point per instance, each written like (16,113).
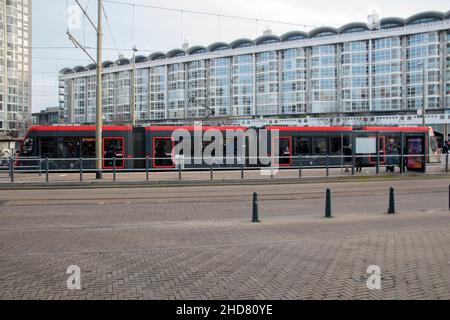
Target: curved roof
(294,35)
(140,59)
(391,22)
(79,69)
(196,49)
(91,66)
(267,39)
(107,64)
(66,71)
(436,15)
(157,55)
(122,61)
(316,32)
(243,42)
(218,46)
(175,52)
(353,27)
(447,15)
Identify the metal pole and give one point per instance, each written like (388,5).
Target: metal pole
(255,213)
(179,171)
(114,168)
(212,172)
(378,153)
(46,169)
(300,166)
(40,166)
(353,159)
(81,169)
(391,209)
(328,204)
(146,167)
(402,157)
(133,90)
(449,197)
(242,171)
(446,162)
(328,165)
(11,169)
(423,94)
(99,107)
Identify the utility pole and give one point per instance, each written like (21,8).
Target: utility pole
(425,89)
(99,105)
(98,63)
(133,90)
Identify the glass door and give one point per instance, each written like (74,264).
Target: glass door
(113,148)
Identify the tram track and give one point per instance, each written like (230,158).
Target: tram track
(180,199)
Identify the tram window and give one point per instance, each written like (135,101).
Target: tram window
(27,148)
(302,146)
(69,147)
(320,145)
(47,146)
(88,147)
(335,145)
(163,152)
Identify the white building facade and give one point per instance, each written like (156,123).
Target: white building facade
(15,66)
(337,73)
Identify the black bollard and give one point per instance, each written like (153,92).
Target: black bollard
(449,197)
(255,215)
(328,204)
(391,209)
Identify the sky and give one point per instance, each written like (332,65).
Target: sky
(151,29)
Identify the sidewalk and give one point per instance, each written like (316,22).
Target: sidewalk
(217,177)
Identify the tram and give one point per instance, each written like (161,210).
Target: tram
(65,145)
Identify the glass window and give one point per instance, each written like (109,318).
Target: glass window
(69,147)
(320,145)
(47,146)
(27,148)
(88,147)
(335,145)
(302,146)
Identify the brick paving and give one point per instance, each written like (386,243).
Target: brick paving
(198,243)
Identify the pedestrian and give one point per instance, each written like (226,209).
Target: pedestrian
(348,157)
(392,158)
(358,163)
(445,147)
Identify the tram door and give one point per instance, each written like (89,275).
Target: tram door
(162,152)
(381,151)
(285,151)
(113,148)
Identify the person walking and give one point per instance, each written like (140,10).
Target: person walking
(445,147)
(348,157)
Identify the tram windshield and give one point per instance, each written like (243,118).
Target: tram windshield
(27,148)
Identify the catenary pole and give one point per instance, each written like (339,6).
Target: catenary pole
(133,90)
(99,109)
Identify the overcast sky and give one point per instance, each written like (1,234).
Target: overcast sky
(162,30)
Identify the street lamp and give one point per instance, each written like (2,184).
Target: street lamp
(422,64)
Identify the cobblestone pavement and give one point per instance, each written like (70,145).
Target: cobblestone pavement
(198,243)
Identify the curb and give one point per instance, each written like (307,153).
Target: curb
(217,182)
